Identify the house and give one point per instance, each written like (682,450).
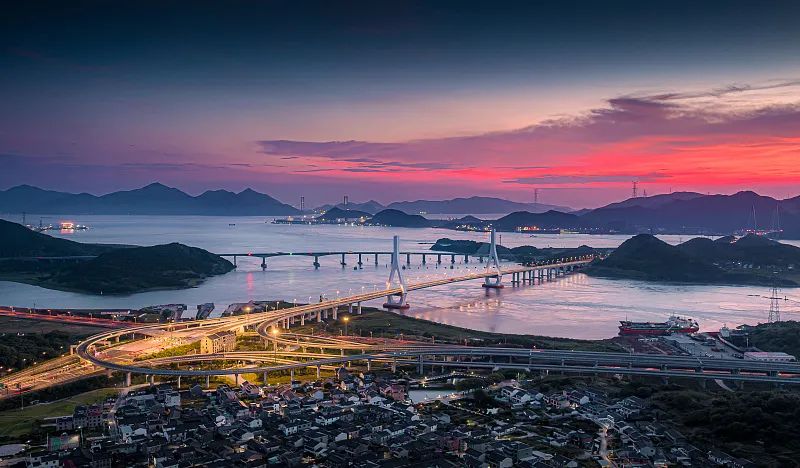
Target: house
(219,342)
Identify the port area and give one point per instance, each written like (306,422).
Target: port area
(680,344)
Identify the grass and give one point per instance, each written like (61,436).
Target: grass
(387,324)
(17,423)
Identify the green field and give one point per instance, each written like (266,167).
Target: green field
(16,423)
(390,325)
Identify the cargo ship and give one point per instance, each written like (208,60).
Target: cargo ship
(675,324)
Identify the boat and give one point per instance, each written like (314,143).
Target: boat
(674,324)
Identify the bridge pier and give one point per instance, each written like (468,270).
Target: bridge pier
(316,261)
(318,371)
(420,369)
(302,320)
(319,316)
(376,259)
(179,382)
(127,379)
(452,259)
(466,258)
(424,259)
(359,261)
(335,312)
(369,365)
(350,308)
(408,259)
(263,263)
(394,365)
(234,261)
(343,263)
(291,375)
(439,259)
(264,379)
(208,381)
(359,308)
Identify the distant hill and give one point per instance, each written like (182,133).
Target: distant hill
(370,207)
(397,218)
(337,213)
(153,199)
(687,212)
(702,260)
(655,201)
(549,220)
(169,266)
(17,240)
(471,205)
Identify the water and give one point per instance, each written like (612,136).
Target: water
(576,306)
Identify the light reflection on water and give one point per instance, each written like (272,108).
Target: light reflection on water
(576,306)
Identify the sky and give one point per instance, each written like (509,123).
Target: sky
(403,100)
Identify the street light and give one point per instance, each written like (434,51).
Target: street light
(345,319)
(274,332)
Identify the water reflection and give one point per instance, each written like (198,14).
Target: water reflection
(575,306)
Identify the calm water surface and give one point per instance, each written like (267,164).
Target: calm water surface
(576,306)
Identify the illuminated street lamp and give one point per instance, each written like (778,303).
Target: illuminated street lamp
(274,332)
(345,319)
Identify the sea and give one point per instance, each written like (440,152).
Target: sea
(576,306)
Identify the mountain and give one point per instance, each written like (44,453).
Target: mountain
(749,260)
(337,213)
(121,271)
(655,201)
(18,241)
(370,207)
(648,258)
(397,218)
(549,220)
(689,213)
(471,205)
(153,199)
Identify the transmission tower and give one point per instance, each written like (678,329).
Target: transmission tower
(635,189)
(302,205)
(774,306)
(346,200)
(536,198)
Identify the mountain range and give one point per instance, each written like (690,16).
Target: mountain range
(153,199)
(472,205)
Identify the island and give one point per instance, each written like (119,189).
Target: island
(35,258)
(750,260)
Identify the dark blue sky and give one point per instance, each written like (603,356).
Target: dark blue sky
(117,89)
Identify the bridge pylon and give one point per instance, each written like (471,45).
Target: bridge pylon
(494,282)
(396,301)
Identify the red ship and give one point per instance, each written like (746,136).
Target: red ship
(675,324)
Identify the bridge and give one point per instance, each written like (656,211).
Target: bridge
(274,328)
(360,256)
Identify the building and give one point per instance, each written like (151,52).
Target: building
(218,342)
(769,356)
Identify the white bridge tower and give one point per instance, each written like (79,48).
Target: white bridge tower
(396,301)
(493,262)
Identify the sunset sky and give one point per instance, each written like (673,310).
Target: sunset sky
(400,100)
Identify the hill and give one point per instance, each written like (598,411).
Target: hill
(702,260)
(169,266)
(370,207)
(471,205)
(114,268)
(153,199)
(397,218)
(547,220)
(648,258)
(18,241)
(337,213)
(686,212)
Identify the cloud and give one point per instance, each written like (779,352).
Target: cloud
(739,133)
